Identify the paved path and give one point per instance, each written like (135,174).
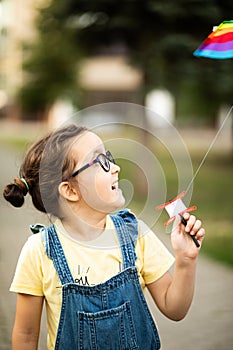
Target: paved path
(208,326)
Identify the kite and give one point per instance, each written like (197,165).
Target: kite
(219,44)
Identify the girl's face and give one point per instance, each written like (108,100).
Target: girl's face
(98,188)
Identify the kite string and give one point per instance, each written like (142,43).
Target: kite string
(209,149)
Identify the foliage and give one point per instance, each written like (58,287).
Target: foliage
(50,70)
(50,65)
(158,37)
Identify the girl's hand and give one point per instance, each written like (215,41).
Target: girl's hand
(183,245)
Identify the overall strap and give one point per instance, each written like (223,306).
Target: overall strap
(55,252)
(127,230)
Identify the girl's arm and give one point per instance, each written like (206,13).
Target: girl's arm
(173,295)
(27,322)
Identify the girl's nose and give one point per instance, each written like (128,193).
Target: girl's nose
(115,168)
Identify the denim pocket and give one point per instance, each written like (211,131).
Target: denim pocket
(111,329)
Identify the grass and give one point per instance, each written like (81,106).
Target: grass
(18,143)
(212,192)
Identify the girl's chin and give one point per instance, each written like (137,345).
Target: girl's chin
(121,198)
(119,202)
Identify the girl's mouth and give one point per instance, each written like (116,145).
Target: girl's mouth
(115,186)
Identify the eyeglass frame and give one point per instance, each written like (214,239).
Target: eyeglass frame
(108,156)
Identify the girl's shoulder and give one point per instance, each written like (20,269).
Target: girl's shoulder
(35,240)
(34,244)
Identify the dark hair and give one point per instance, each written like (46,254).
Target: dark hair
(45,165)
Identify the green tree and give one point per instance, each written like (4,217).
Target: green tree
(158,37)
(50,69)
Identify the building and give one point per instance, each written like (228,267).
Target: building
(17,19)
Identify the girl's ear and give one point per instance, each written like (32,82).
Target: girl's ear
(68,192)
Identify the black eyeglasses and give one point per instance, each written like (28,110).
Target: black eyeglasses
(103,160)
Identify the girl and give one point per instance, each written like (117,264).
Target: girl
(91,267)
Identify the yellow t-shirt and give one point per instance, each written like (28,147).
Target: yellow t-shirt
(90,263)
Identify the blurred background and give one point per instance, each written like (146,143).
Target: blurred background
(58,57)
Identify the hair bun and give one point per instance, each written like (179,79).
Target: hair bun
(15,192)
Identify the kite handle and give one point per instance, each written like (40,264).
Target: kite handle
(184,222)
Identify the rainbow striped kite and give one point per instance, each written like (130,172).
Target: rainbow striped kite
(219,44)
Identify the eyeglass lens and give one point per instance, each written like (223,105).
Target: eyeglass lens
(105,160)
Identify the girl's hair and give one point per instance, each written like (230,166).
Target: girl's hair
(45,165)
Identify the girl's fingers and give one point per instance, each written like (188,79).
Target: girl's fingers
(186,216)
(200,234)
(190,223)
(193,227)
(196,227)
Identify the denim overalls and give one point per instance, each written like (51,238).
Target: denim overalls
(109,316)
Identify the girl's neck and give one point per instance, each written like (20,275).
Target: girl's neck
(84,227)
